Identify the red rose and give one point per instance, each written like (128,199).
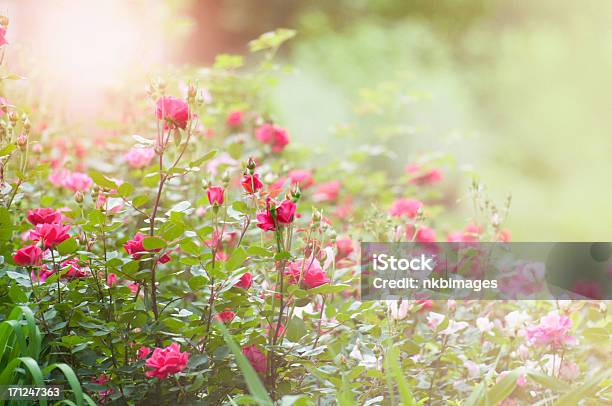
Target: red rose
(29,255)
(265,221)
(215,195)
(256,358)
(50,235)
(143,352)
(301,177)
(44,216)
(285,212)
(74,269)
(135,248)
(251,183)
(166,361)
(245,281)
(173,111)
(226,316)
(344,247)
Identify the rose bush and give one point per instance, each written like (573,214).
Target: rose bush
(212,259)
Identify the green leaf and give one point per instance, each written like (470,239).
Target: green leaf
(102,180)
(271,40)
(236,259)
(139,201)
(190,247)
(255,250)
(584,391)
(226,61)
(125,189)
(17,294)
(209,155)
(197,282)
(327,288)
(394,368)
(153,243)
(68,246)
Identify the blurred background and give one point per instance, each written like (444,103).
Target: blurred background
(519,92)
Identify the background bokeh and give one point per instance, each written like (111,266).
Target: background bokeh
(518,92)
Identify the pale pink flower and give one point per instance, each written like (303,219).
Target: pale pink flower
(569,370)
(484,324)
(77,182)
(434,319)
(139,157)
(553,330)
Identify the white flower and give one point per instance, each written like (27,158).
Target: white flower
(484,324)
(434,319)
(515,321)
(398,310)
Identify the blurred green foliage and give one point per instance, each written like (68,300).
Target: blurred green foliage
(520,85)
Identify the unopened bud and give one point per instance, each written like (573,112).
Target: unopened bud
(13,118)
(22,141)
(316,216)
(192,91)
(226,177)
(78,196)
(4,21)
(251,165)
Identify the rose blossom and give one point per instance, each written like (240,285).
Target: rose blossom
(344,246)
(285,212)
(50,235)
(30,255)
(77,182)
(310,270)
(143,352)
(74,269)
(111,280)
(405,207)
(273,135)
(42,274)
(245,281)
(301,177)
(251,183)
(166,361)
(135,248)
(139,157)
(215,195)
(234,119)
(327,192)
(553,330)
(3,40)
(256,358)
(44,215)
(226,316)
(174,112)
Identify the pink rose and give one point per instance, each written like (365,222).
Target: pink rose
(405,207)
(77,182)
(166,361)
(3,40)
(285,212)
(50,235)
(273,135)
(215,195)
(111,280)
(265,221)
(74,269)
(135,248)
(256,358)
(143,352)
(174,112)
(344,246)
(313,275)
(139,157)
(553,331)
(301,177)
(327,192)
(234,119)
(42,274)
(44,216)
(30,255)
